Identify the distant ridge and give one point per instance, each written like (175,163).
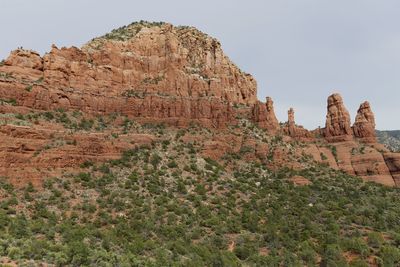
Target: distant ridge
(391,139)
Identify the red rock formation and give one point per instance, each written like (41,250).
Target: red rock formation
(370,162)
(295,131)
(160,73)
(33,153)
(337,127)
(364,125)
(176,74)
(263,115)
(25,60)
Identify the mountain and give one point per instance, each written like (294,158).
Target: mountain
(148,147)
(391,139)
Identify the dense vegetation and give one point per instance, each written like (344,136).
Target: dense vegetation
(166,205)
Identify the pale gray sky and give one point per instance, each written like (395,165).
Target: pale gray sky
(300,51)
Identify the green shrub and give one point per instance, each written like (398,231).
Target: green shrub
(375,239)
(390,256)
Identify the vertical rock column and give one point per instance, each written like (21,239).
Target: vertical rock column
(263,115)
(295,131)
(364,125)
(291,123)
(337,127)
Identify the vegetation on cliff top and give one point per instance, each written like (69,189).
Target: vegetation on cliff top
(128,32)
(125,33)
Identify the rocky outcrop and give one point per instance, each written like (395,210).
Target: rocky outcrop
(34,153)
(367,162)
(295,131)
(337,127)
(263,115)
(371,161)
(144,70)
(22,59)
(364,125)
(155,72)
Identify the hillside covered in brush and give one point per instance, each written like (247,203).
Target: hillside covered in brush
(148,147)
(166,204)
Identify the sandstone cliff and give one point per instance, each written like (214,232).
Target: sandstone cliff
(145,70)
(157,73)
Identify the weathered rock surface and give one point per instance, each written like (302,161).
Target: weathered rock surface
(263,115)
(155,72)
(161,72)
(295,131)
(364,125)
(33,153)
(337,127)
(367,162)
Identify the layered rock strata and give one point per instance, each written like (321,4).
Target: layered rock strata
(153,71)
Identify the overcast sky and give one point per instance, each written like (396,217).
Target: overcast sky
(299,51)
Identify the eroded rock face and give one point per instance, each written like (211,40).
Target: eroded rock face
(177,75)
(296,131)
(144,70)
(364,125)
(32,153)
(263,115)
(337,127)
(367,162)
(25,59)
